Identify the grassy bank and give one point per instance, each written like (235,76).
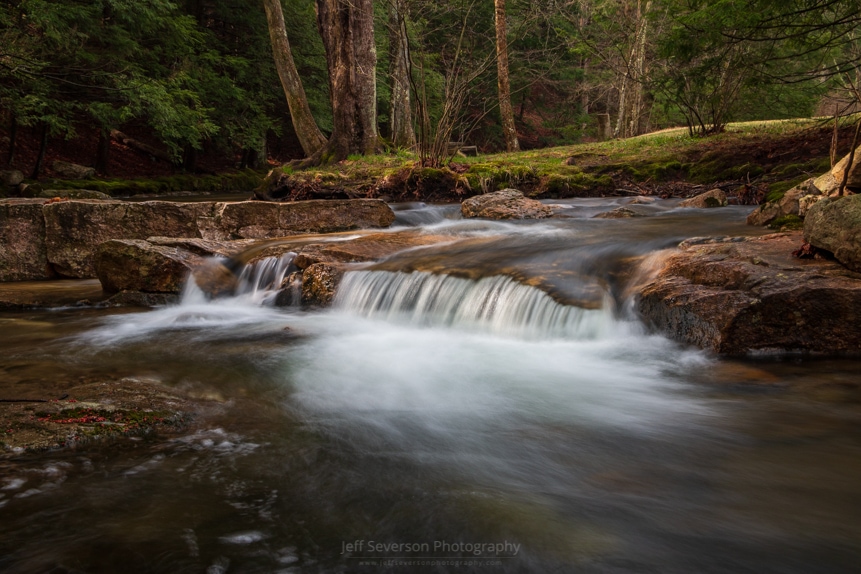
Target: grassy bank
(767,157)
(752,160)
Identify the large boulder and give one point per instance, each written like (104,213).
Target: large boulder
(23,252)
(505,204)
(835,225)
(711,198)
(258,219)
(70,170)
(10,178)
(320,282)
(138,265)
(739,297)
(74,229)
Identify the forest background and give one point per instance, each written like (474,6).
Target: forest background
(192,85)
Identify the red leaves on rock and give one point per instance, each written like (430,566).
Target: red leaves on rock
(807,251)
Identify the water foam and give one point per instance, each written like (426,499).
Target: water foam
(497,304)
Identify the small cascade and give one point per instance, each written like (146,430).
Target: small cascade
(258,283)
(497,304)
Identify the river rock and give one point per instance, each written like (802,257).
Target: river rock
(643,200)
(23,252)
(505,204)
(260,219)
(70,170)
(740,297)
(11,178)
(74,229)
(835,225)
(619,213)
(711,198)
(138,265)
(319,283)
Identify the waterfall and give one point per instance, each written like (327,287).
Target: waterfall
(497,304)
(258,283)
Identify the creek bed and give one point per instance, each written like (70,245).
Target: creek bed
(433,420)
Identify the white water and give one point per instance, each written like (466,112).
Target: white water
(495,304)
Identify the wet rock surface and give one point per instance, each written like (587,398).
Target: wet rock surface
(19,295)
(738,296)
(505,204)
(71,414)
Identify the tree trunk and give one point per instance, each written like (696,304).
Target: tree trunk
(631,91)
(13,139)
(310,136)
(189,159)
(508,130)
(43,148)
(401,120)
(103,151)
(347,29)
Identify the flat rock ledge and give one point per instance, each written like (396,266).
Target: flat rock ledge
(740,296)
(43,239)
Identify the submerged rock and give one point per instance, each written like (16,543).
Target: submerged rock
(505,204)
(835,225)
(739,297)
(711,198)
(620,213)
(23,251)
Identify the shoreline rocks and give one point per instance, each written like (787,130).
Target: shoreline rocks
(708,199)
(41,238)
(23,248)
(835,226)
(738,296)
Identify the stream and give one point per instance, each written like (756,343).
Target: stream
(490,403)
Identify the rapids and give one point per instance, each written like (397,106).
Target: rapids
(487,404)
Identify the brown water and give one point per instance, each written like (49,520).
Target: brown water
(573,436)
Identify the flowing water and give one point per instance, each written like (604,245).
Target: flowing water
(452,412)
